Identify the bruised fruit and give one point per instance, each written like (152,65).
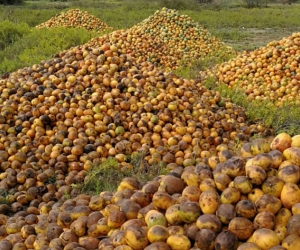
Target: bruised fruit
(226,240)
(248,246)
(292,154)
(241,227)
(259,146)
(136,237)
(243,184)
(179,242)
(264,219)
(281,142)
(230,195)
(162,200)
(268,203)
(172,215)
(226,212)
(293,226)
(172,184)
(158,246)
(189,211)
(154,217)
(290,173)
(291,242)
(205,239)
(209,221)
(246,209)
(265,238)
(256,174)
(157,233)
(209,201)
(272,185)
(290,195)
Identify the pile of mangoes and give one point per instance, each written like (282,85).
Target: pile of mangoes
(167,39)
(267,73)
(75,18)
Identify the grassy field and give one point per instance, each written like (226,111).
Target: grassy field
(241,28)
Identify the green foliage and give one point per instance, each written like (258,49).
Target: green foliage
(102,177)
(11,32)
(108,175)
(41,45)
(4,197)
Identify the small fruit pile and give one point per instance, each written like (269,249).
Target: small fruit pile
(271,72)
(246,201)
(167,39)
(75,18)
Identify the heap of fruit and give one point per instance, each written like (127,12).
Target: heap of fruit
(245,201)
(60,117)
(167,39)
(75,18)
(90,103)
(271,72)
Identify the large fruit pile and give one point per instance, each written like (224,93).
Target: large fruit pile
(75,18)
(246,201)
(271,72)
(167,39)
(88,104)
(106,99)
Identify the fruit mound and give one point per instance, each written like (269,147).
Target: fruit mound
(250,200)
(167,39)
(75,18)
(271,72)
(87,104)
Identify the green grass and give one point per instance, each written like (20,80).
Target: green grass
(191,68)
(108,175)
(40,45)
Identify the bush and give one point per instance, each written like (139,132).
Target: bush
(11,2)
(11,32)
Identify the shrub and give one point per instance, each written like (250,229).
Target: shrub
(11,32)
(11,2)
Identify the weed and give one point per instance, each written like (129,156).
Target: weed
(67,195)
(190,68)
(4,197)
(108,174)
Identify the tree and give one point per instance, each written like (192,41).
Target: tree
(11,2)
